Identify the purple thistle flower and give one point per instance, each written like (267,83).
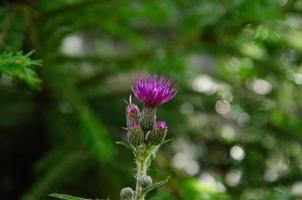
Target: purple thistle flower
(154,90)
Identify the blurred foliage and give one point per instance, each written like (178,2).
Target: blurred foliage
(236,123)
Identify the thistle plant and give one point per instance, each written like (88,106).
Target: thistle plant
(144,133)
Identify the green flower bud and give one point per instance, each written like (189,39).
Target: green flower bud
(148,118)
(132,115)
(135,135)
(157,135)
(127,193)
(145,182)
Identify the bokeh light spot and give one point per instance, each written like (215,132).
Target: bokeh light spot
(237,153)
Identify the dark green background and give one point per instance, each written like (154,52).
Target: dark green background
(236,122)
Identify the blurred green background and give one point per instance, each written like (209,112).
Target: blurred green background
(236,122)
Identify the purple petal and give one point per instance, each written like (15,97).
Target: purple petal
(154,90)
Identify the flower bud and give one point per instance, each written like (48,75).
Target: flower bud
(127,193)
(132,115)
(135,135)
(157,135)
(148,118)
(145,182)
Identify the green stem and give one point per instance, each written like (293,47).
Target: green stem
(142,165)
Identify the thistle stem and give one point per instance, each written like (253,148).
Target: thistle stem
(142,165)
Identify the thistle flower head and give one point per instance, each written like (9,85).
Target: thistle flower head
(161,126)
(154,90)
(131,109)
(158,134)
(145,181)
(127,193)
(132,115)
(135,135)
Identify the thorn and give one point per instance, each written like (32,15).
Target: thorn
(125,128)
(124,100)
(132,89)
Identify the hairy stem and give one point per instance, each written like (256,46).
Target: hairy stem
(142,165)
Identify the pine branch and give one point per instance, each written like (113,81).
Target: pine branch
(93,134)
(58,173)
(20,66)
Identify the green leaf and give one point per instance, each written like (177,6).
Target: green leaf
(128,146)
(166,141)
(124,144)
(67,197)
(157,184)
